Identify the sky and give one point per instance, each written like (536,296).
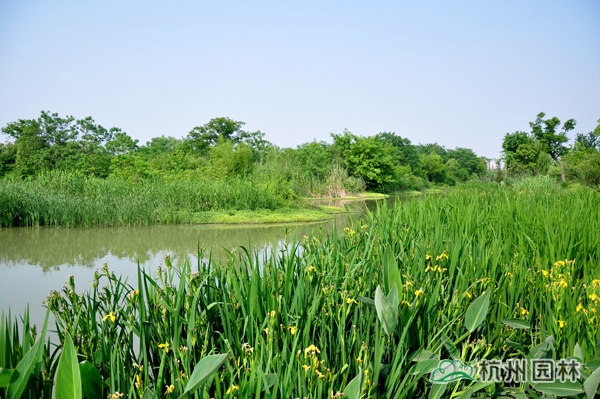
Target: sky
(459,73)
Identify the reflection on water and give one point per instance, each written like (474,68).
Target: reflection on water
(34,261)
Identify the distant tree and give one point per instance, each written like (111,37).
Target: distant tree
(553,142)
(407,152)
(589,140)
(368,158)
(8,155)
(426,149)
(468,160)
(315,158)
(54,142)
(433,167)
(201,138)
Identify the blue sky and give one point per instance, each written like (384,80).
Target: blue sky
(460,73)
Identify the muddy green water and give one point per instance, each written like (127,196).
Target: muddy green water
(34,261)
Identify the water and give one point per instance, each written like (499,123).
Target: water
(34,261)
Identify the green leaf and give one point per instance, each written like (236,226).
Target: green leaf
(593,364)
(450,347)
(559,388)
(352,390)
(591,384)
(422,354)
(68,377)
(366,301)
(5,376)
(387,314)
(515,345)
(578,352)
(424,366)
(204,369)
(466,394)
(148,394)
(477,311)
(516,323)
(91,381)
(437,390)
(22,372)
(268,381)
(391,274)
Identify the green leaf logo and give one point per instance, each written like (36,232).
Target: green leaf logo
(451,371)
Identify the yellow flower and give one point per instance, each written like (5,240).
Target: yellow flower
(419,292)
(442,256)
(311,350)
(293,330)
(561,283)
(272,313)
(138,381)
(508,274)
(306,368)
(594,297)
(110,316)
(232,389)
(468,294)
(559,263)
(164,346)
(595,283)
(311,268)
(524,312)
(545,273)
(579,308)
(350,300)
(169,389)
(428,257)
(405,303)
(561,323)
(266,330)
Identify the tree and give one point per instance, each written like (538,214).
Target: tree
(433,166)
(315,159)
(468,160)
(368,158)
(201,138)
(523,155)
(553,142)
(590,140)
(8,155)
(426,149)
(407,153)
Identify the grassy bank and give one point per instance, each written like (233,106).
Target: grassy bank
(478,274)
(64,199)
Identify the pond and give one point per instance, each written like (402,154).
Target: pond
(34,261)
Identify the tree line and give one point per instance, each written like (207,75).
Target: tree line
(544,150)
(221,148)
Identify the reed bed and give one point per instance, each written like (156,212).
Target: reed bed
(307,322)
(67,199)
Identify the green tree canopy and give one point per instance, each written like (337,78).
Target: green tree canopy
(407,153)
(368,158)
(201,138)
(552,141)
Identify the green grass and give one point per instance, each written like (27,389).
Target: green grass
(302,322)
(284,215)
(64,199)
